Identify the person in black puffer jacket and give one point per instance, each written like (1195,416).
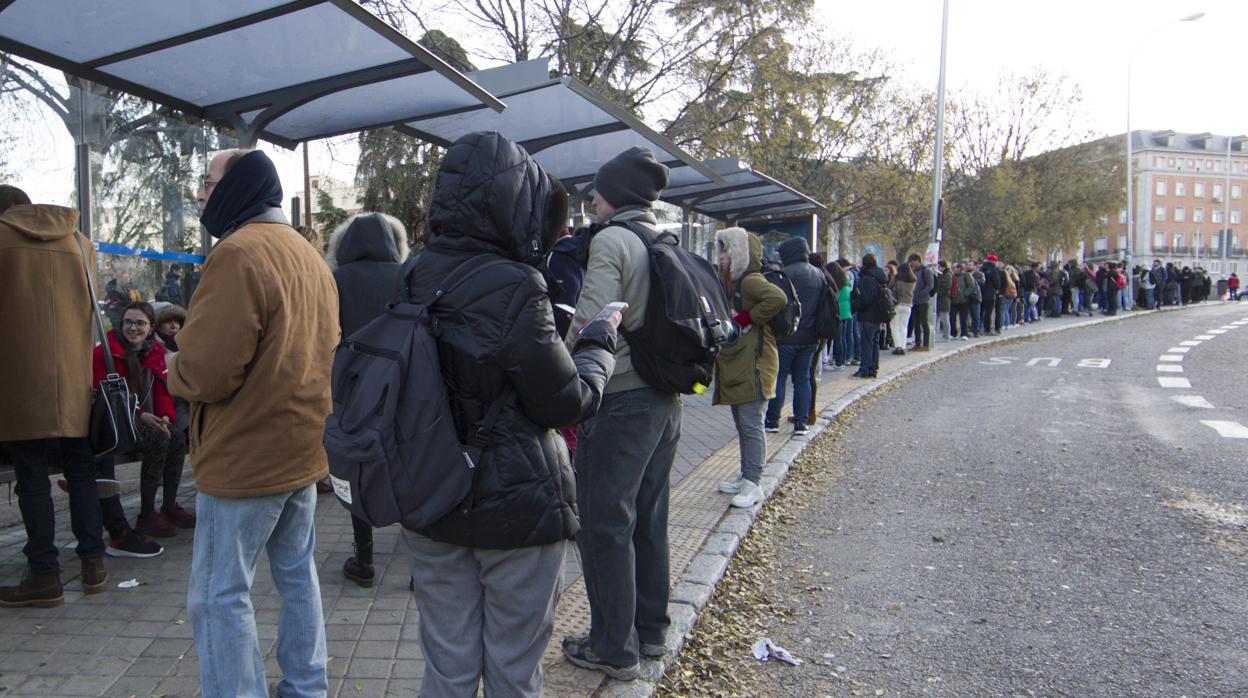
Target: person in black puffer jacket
(366,254)
(487,575)
(797,351)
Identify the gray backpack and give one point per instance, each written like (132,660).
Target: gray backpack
(394,452)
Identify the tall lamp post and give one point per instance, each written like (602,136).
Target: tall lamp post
(1130,65)
(938,166)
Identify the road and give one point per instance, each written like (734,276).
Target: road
(1000,525)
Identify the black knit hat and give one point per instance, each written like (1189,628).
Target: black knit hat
(632,178)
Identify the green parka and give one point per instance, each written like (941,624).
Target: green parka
(746,371)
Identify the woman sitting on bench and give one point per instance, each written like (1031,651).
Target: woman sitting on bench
(140,359)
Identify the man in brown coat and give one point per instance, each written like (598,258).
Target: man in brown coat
(254,363)
(46,401)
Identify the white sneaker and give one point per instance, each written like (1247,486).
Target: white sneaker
(748,496)
(731,487)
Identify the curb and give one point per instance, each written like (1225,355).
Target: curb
(697,582)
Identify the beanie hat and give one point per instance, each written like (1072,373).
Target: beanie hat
(632,178)
(992,258)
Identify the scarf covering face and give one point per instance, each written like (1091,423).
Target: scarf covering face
(250,188)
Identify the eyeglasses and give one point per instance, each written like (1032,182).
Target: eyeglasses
(205,182)
(137,324)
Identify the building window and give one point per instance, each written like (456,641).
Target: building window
(1161,187)
(1180,214)
(1122,217)
(1198,189)
(1160,213)
(1208,164)
(1159,239)
(1197,240)
(1180,188)
(1122,241)
(1178,240)
(1215,266)
(1198,215)
(1234,216)
(1170,163)
(1101,244)
(1217,191)
(1103,221)
(1236,191)
(1190,163)
(1216,215)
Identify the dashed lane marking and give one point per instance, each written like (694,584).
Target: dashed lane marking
(1216,331)
(1204,336)
(1178,350)
(1193,401)
(1170,357)
(1169,368)
(1189,343)
(1229,327)
(1227,430)
(1173,382)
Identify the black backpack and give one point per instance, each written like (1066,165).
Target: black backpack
(686,320)
(828,314)
(394,452)
(784,323)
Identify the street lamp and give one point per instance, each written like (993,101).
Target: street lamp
(1130,66)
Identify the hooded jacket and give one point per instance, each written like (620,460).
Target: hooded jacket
(808,280)
(497,338)
(255,361)
(152,387)
(366,254)
(944,287)
(47,388)
(746,370)
(993,283)
(872,284)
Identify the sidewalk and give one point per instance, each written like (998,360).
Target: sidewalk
(137,642)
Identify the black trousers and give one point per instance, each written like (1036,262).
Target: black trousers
(922,328)
(32,461)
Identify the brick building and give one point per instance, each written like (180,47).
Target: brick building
(1184,204)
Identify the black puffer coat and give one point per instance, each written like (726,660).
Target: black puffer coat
(366,254)
(498,338)
(808,281)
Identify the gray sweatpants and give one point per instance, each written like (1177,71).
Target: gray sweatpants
(750,437)
(623,460)
(484,615)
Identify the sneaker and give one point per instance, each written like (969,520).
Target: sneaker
(653,650)
(854,362)
(899,351)
(749,495)
(732,487)
(179,517)
(578,652)
(133,544)
(800,430)
(771,427)
(155,525)
(836,368)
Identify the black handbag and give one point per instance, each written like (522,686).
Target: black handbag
(114,410)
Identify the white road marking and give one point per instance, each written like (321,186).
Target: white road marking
(1189,343)
(1193,401)
(1240,323)
(1169,368)
(1227,430)
(1173,382)
(1216,331)
(1204,336)
(1228,327)
(1178,350)
(1170,357)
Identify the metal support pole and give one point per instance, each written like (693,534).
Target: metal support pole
(1226,211)
(686,228)
(938,166)
(86,225)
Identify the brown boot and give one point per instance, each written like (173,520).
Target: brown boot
(94,576)
(35,589)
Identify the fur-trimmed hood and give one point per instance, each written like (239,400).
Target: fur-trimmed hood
(367,237)
(745,251)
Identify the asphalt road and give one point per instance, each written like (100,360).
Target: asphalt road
(999,528)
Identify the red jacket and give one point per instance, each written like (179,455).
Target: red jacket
(153,362)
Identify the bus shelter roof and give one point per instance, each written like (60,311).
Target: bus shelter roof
(288,71)
(568,128)
(743,193)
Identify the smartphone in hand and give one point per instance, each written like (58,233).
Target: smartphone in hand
(607,311)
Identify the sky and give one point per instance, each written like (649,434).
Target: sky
(1183,75)
(1186,76)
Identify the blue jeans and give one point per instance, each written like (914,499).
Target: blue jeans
(842,349)
(794,361)
(976,320)
(229,537)
(870,333)
(1005,310)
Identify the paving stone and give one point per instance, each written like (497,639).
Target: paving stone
(21,661)
(381,632)
(151,666)
(374,649)
(369,668)
(125,647)
(706,569)
(83,685)
(691,593)
(48,685)
(627,689)
(133,686)
(363,688)
(178,686)
(683,617)
(721,544)
(404,687)
(408,669)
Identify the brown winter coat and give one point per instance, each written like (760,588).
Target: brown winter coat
(746,371)
(254,362)
(46,353)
